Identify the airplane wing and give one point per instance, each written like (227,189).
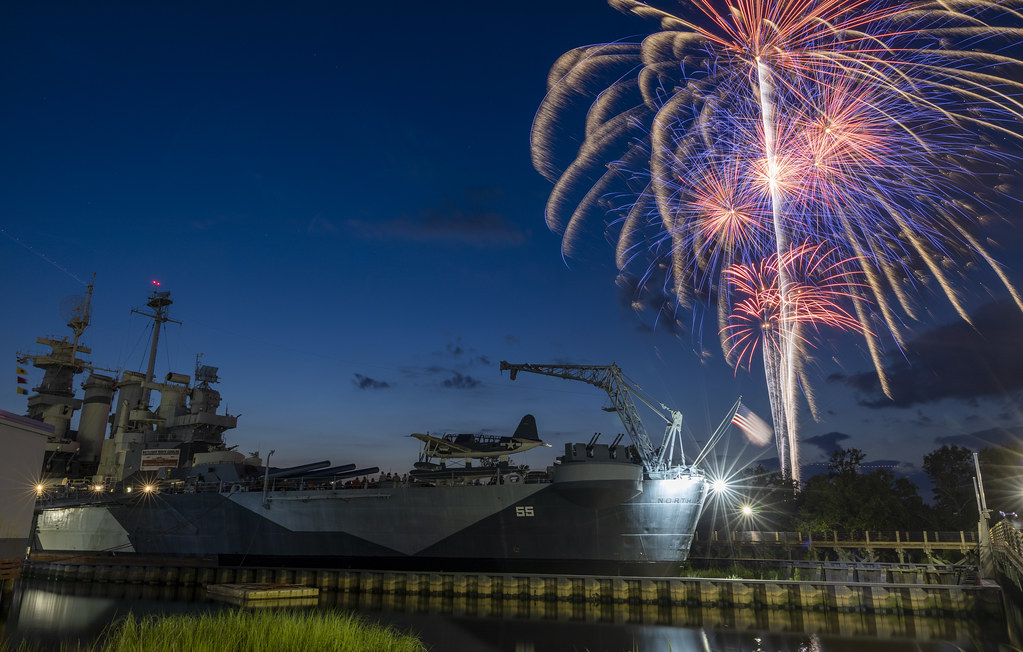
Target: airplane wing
(438,444)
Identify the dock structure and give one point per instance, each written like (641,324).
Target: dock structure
(913,596)
(1007,552)
(265,594)
(900,542)
(1006,545)
(823,587)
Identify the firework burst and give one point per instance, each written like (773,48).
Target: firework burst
(740,130)
(818,292)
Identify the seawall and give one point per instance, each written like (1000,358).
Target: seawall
(775,595)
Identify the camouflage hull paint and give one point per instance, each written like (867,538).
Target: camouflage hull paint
(510,527)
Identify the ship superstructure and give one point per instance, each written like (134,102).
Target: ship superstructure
(68,452)
(182,431)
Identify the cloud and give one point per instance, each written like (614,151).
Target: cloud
(827,442)
(365,382)
(956,361)
(462,354)
(646,297)
(460,381)
(471,221)
(984,438)
(450,366)
(657,310)
(322,226)
(890,465)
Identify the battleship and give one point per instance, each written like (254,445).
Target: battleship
(161,483)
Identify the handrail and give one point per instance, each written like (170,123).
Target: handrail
(1007,546)
(865,539)
(59,496)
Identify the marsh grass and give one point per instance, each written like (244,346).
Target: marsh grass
(737,573)
(247,631)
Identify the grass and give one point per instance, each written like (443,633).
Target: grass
(736,573)
(247,631)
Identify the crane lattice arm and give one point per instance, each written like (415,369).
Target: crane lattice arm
(611,380)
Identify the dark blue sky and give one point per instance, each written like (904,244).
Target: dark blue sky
(342,204)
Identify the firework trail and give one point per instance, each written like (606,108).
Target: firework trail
(816,295)
(740,135)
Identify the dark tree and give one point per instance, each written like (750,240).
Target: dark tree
(845,462)
(845,499)
(951,471)
(772,495)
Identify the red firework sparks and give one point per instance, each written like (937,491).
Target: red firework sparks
(819,290)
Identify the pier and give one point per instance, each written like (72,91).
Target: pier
(1007,553)
(912,593)
(901,545)
(901,542)
(802,586)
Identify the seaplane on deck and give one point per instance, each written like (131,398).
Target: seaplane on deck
(492,450)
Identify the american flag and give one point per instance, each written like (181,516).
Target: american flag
(755,428)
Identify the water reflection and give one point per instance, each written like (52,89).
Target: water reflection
(46,613)
(542,626)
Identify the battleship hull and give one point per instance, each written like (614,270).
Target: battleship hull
(599,507)
(538,527)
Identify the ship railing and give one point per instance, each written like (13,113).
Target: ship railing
(56,495)
(321,484)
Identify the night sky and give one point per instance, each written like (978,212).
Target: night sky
(341,202)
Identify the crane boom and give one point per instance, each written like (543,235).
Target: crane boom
(610,379)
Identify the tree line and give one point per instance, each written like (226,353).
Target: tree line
(848,498)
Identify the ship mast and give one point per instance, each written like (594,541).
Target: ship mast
(79,319)
(55,402)
(159,303)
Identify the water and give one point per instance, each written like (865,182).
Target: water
(47,612)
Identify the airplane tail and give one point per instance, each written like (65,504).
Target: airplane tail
(527,429)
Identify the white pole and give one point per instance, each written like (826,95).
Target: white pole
(266,481)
